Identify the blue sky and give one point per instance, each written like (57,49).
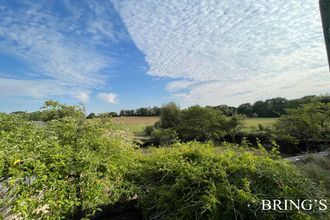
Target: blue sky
(126,54)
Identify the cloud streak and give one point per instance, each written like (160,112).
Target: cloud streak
(38,88)
(222,50)
(62,47)
(108,97)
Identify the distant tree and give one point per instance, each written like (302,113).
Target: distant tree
(18,112)
(308,122)
(130,112)
(122,113)
(156,111)
(35,116)
(202,124)
(141,112)
(113,114)
(325,99)
(91,115)
(276,106)
(245,109)
(169,115)
(226,110)
(233,125)
(261,109)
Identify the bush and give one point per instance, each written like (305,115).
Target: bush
(165,137)
(317,168)
(191,181)
(53,110)
(148,130)
(306,123)
(201,124)
(169,115)
(66,168)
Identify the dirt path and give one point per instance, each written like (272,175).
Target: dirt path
(297,158)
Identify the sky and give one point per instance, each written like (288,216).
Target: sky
(126,54)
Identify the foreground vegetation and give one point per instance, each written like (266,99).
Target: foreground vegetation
(317,168)
(70,167)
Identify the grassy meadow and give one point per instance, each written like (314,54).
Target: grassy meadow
(136,124)
(251,123)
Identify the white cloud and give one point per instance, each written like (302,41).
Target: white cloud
(83,96)
(179,85)
(35,88)
(232,50)
(108,97)
(59,48)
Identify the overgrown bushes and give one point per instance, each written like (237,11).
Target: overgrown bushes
(191,181)
(194,123)
(69,167)
(302,127)
(62,169)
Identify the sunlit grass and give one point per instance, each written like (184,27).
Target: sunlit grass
(251,123)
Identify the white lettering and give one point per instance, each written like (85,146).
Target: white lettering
(266,203)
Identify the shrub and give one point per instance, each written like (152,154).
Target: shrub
(148,130)
(308,122)
(201,124)
(165,137)
(63,169)
(169,115)
(191,181)
(91,116)
(53,110)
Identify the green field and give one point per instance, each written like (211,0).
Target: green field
(137,124)
(251,123)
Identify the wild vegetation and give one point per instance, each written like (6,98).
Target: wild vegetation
(71,167)
(270,108)
(305,128)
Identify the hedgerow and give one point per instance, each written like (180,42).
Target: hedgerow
(191,181)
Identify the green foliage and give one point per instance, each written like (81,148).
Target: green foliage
(225,109)
(71,167)
(148,130)
(155,111)
(317,168)
(194,123)
(35,116)
(308,122)
(67,166)
(106,115)
(53,110)
(169,115)
(233,125)
(245,109)
(202,124)
(165,136)
(91,115)
(191,181)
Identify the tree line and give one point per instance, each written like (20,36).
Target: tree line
(144,111)
(274,107)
